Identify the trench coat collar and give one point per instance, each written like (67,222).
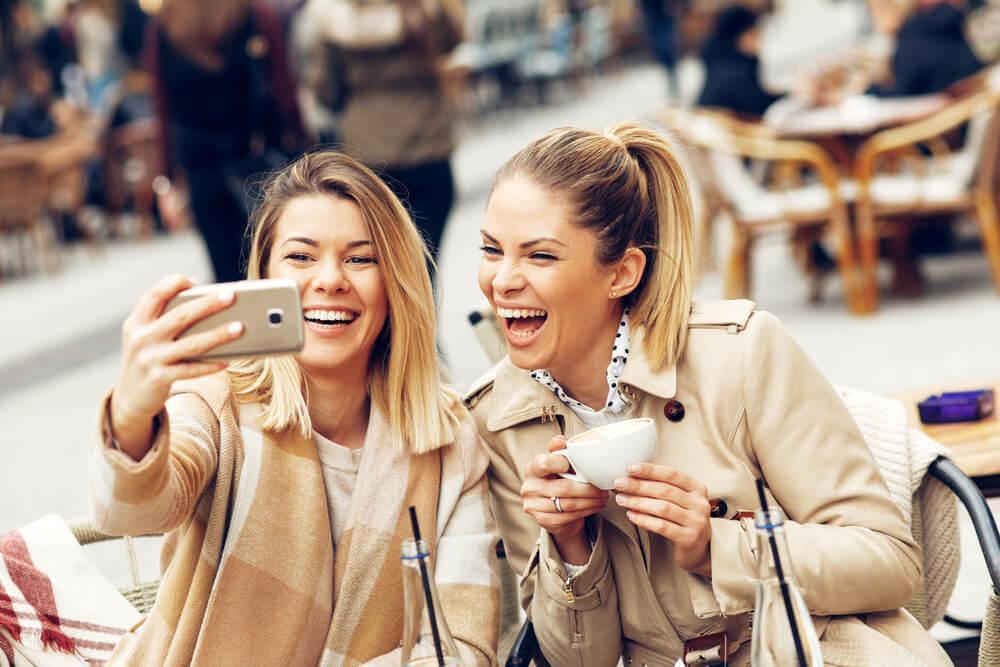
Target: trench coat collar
(639,373)
(516,397)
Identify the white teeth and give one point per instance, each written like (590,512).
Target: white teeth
(329,315)
(519,312)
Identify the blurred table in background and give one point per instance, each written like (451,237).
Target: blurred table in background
(974,445)
(854,117)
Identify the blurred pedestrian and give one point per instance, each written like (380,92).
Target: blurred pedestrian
(383,76)
(732,66)
(661,26)
(931,49)
(226,102)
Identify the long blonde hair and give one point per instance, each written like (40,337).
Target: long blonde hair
(627,186)
(403,373)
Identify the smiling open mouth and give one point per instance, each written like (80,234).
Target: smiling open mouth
(523,323)
(329,319)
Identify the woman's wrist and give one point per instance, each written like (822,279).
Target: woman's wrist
(574,549)
(131,435)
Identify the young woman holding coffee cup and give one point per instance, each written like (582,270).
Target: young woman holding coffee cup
(587,261)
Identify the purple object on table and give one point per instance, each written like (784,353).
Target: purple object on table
(960,406)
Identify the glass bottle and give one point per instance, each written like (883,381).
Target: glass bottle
(419,627)
(773,641)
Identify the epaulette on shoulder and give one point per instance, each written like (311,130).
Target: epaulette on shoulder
(479,388)
(732,315)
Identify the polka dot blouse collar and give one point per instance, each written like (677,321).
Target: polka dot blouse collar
(615,403)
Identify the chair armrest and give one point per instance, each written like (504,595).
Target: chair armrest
(525,647)
(982,519)
(719,132)
(926,131)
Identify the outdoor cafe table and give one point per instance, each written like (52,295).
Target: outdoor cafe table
(975,446)
(852,119)
(843,127)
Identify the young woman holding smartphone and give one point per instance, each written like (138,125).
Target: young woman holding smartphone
(587,260)
(283,482)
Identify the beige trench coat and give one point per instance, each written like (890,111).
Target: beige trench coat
(743,401)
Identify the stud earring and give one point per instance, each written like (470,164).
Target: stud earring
(614,294)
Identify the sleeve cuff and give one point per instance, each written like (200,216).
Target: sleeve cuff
(589,586)
(121,462)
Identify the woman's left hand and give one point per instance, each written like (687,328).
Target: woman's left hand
(668,502)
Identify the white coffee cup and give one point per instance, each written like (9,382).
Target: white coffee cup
(603,454)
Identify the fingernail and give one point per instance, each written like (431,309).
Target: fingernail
(227,296)
(635,468)
(235,328)
(621,483)
(621,499)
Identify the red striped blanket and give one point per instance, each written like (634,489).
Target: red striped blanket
(55,606)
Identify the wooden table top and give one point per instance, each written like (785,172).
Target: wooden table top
(975,445)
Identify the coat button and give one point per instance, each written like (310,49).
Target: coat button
(674,410)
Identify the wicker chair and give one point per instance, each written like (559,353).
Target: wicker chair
(786,203)
(23,221)
(142,595)
(938,181)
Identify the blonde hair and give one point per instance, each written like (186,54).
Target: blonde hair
(403,374)
(627,186)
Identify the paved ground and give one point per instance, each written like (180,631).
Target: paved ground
(59,334)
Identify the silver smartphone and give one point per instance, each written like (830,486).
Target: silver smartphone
(270,310)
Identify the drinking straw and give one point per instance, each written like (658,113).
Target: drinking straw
(782,584)
(427,587)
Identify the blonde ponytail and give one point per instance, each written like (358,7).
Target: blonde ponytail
(627,186)
(663,302)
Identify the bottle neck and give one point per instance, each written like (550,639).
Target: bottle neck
(412,552)
(773,560)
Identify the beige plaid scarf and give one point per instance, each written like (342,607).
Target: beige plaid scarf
(252,575)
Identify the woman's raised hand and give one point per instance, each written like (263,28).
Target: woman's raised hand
(153,358)
(673,504)
(539,493)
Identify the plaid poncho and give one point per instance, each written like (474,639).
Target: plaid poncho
(251,576)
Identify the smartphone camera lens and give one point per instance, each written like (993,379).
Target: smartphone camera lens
(274,317)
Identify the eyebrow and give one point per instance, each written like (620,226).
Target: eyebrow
(526,244)
(315,244)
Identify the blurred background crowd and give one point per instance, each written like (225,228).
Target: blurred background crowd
(129,117)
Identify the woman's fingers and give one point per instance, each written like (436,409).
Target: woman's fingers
(194,369)
(557,442)
(553,521)
(196,345)
(654,524)
(156,298)
(544,465)
(564,488)
(660,473)
(539,504)
(690,500)
(172,324)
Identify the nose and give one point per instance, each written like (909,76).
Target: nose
(508,277)
(330,278)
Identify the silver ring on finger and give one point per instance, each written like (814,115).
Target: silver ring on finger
(557,503)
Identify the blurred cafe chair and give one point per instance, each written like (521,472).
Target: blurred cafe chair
(25,229)
(140,594)
(933,180)
(803,195)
